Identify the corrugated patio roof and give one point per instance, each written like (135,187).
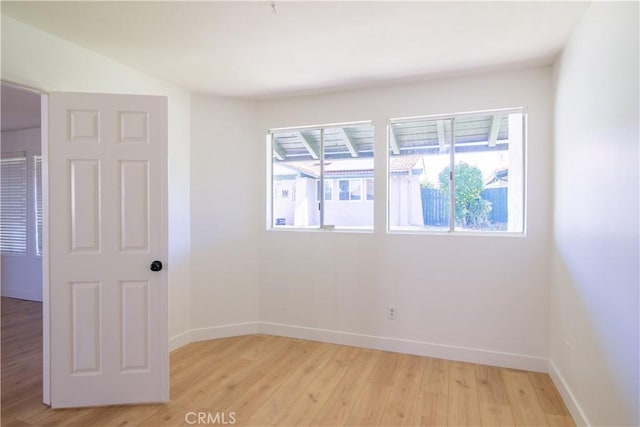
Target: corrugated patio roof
(483,132)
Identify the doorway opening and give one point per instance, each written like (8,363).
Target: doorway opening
(21,243)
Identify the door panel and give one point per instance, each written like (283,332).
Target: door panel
(85,205)
(134,209)
(107,215)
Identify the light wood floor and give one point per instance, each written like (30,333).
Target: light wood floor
(265,380)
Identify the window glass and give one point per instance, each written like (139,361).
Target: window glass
(419,151)
(341,157)
(487,184)
(296,173)
(489,178)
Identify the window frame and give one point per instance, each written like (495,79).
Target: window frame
(452,118)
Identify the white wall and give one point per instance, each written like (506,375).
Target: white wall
(477,292)
(40,60)
(22,274)
(595,280)
(226,215)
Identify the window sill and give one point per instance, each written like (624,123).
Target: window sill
(341,230)
(458,233)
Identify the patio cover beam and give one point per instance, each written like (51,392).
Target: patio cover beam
(309,145)
(278,152)
(442,141)
(351,146)
(393,141)
(495,128)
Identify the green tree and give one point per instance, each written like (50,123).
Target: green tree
(471,210)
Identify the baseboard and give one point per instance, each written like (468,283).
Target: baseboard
(179,340)
(569,399)
(212,333)
(22,294)
(420,348)
(224,331)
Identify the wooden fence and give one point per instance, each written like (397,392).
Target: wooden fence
(434,205)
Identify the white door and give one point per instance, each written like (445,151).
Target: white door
(107,169)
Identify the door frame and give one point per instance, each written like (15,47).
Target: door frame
(46,313)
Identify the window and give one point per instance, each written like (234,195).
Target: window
(38,200)
(350,189)
(485,192)
(369,188)
(336,158)
(13,218)
(328,191)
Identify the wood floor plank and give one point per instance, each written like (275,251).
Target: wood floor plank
(464,407)
(560,420)
(435,378)
(367,411)
(231,386)
(432,406)
(281,381)
(492,395)
(547,394)
(432,409)
(495,415)
(308,405)
(272,411)
(490,385)
(193,372)
(249,402)
(339,405)
(522,398)
(385,370)
(401,404)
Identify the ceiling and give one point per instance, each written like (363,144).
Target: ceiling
(243,49)
(20,109)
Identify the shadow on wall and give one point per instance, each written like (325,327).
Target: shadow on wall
(592,343)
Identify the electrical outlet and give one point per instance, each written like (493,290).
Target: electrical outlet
(391,313)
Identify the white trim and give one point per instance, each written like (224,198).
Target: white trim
(163,123)
(420,348)
(224,331)
(212,333)
(46,265)
(315,127)
(569,398)
(410,119)
(179,340)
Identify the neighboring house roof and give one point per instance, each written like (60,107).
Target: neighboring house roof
(498,178)
(342,168)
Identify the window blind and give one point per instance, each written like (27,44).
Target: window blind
(13,211)
(38,196)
